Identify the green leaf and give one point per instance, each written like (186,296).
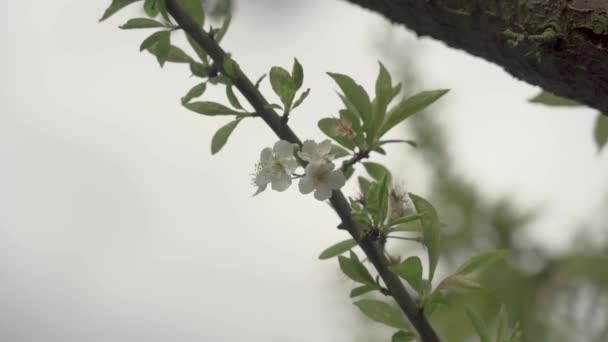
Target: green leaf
(601,131)
(141,23)
(175,55)
(283,85)
(328,126)
(502,322)
(221,136)
(337,249)
(338,151)
(384,95)
(355,270)
(405,219)
(303,97)
(195,9)
(162,8)
(151,8)
(259,81)
(199,70)
(219,35)
(272,106)
(403,336)
(430,230)
(398,141)
(297,72)
(234,101)
(433,301)
(361,290)
(116,6)
(410,106)
(210,108)
(377,171)
(482,261)
(381,312)
(411,271)
(195,92)
(200,52)
(479,325)
(458,281)
(230,66)
(364,185)
(549,99)
(152,39)
(356,95)
(162,48)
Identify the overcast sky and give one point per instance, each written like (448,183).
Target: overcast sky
(116,223)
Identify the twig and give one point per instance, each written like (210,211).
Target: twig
(372,249)
(355,159)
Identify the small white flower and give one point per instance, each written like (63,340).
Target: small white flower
(275,166)
(322,178)
(313,152)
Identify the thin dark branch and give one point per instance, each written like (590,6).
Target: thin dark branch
(354,160)
(372,249)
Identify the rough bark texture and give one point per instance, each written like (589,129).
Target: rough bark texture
(560,45)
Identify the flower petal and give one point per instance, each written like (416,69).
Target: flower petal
(290,165)
(306,185)
(266,156)
(260,189)
(281,182)
(324,147)
(309,150)
(336,180)
(323,192)
(283,149)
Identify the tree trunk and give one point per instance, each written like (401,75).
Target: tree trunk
(560,45)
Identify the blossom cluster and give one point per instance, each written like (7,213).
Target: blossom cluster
(278,164)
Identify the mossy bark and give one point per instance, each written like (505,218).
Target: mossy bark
(560,45)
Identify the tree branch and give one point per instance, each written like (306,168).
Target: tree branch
(373,249)
(560,45)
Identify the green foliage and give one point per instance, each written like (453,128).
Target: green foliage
(361,290)
(377,171)
(141,23)
(430,230)
(410,106)
(355,97)
(383,313)
(153,39)
(116,6)
(601,131)
(549,99)
(159,45)
(211,108)
(151,8)
(283,85)
(482,261)
(328,126)
(234,101)
(479,325)
(221,136)
(403,336)
(354,269)
(196,91)
(230,66)
(195,9)
(411,270)
(297,72)
(337,249)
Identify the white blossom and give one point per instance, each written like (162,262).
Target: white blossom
(276,166)
(321,178)
(313,152)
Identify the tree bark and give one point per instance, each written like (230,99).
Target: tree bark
(559,45)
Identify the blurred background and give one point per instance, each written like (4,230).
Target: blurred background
(116,224)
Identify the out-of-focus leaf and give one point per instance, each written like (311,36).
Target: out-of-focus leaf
(221,136)
(195,9)
(230,66)
(219,35)
(430,230)
(234,101)
(259,81)
(479,325)
(410,106)
(382,312)
(396,141)
(377,171)
(550,99)
(481,261)
(151,8)
(337,249)
(601,131)
(199,70)
(338,151)
(458,281)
